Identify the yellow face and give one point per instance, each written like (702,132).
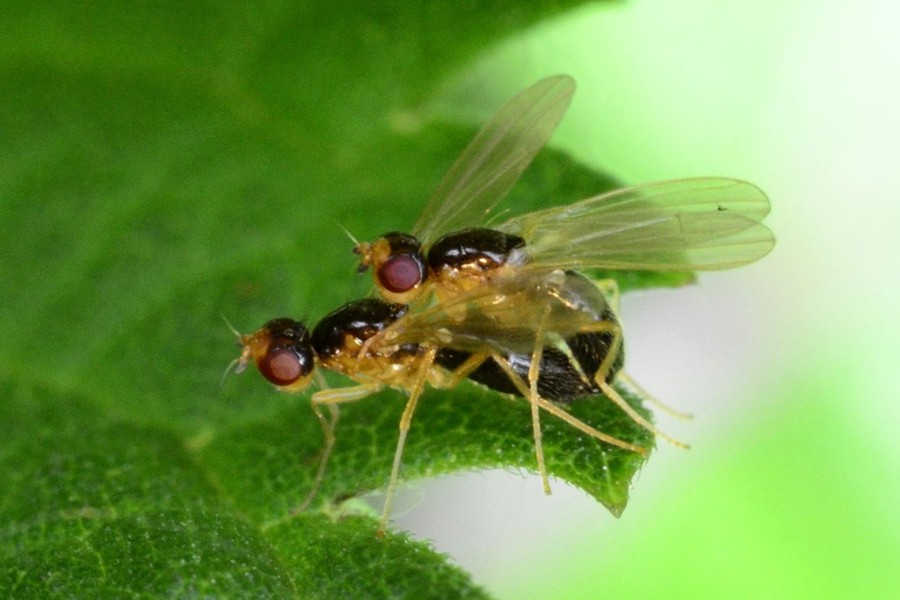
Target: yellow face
(282,352)
(398,266)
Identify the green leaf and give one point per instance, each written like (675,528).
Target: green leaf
(163,166)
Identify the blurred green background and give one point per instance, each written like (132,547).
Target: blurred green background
(168,142)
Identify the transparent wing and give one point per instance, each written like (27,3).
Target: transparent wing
(503,317)
(495,159)
(686,224)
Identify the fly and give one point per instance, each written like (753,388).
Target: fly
(434,348)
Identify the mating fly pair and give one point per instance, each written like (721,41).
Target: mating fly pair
(508,306)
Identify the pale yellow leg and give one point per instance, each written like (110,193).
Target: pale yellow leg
(453,379)
(533,397)
(610,290)
(645,395)
(565,416)
(612,394)
(331,398)
(584,427)
(405,421)
(606,363)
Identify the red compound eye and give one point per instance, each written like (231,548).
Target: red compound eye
(281,366)
(401,273)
